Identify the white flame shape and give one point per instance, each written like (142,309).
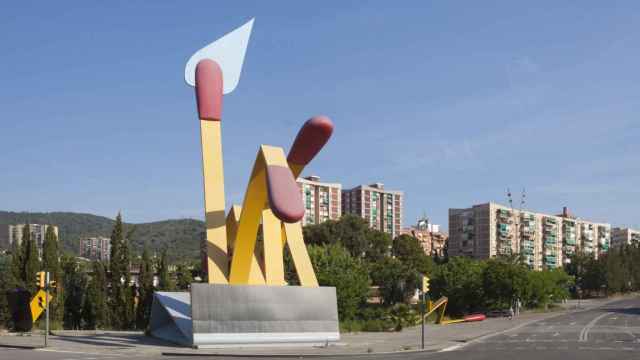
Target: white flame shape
(228,52)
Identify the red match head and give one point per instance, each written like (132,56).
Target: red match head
(209,90)
(285,199)
(313,135)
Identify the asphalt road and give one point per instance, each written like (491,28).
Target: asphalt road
(609,332)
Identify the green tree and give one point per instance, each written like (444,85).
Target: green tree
(145,290)
(31,260)
(75,282)
(397,280)
(547,286)
(460,280)
(51,264)
(350,231)
(89,306)
(165,282)
(99,279)
(378,245)
(408,249)
(504,280)
(5,285)
(121,297)
(184,277)
(16,266)
(335,267)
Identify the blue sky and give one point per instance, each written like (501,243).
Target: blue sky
(450,101)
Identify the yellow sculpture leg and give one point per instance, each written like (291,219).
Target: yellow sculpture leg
(299,254)
(217,262)
(276,233)
(233,219)
(37,304)
(255,200)
(273,250)
(245,241)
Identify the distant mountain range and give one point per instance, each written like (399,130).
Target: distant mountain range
(182,237)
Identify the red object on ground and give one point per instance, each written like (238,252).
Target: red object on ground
(475,317)
(284,195)
(313,135)
(209,90)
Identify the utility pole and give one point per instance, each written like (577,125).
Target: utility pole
(46,302)
(424,290)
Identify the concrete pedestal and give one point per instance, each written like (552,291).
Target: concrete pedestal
(218,315)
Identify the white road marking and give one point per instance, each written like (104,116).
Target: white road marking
(79,352)
(452,348)
(584,334)
(556,333)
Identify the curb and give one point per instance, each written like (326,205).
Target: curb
(22,347)
(300,355)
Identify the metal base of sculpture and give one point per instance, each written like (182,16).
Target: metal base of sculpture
(223,315)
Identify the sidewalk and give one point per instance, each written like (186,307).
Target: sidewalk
(437,337)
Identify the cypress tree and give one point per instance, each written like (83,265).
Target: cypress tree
(184,277)
(145,292)
(165,283)
(5,281)
(30,258)
(94,308)
(89,318)
(129,290)
(16,265)
(117,296)
(51,263)
(122,297)
(75,284)
(100,280)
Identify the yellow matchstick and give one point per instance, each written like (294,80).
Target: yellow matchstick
(208,81)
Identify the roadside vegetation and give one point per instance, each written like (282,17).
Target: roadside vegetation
(376,278)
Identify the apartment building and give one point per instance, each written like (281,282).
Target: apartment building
(432,240)
(322,201)
(382,209)
(543,240)
(38,232)
(96,248)
(624,236)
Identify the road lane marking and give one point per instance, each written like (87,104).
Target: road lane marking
(584,334)
(452,348)
(80,352)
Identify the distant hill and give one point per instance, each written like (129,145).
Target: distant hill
(181,236)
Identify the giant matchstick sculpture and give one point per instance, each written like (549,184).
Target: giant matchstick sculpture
(246,298)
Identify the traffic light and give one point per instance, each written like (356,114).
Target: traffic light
(425,284)
(40,279)
(52,284)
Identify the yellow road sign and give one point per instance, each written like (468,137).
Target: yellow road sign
(38,304)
